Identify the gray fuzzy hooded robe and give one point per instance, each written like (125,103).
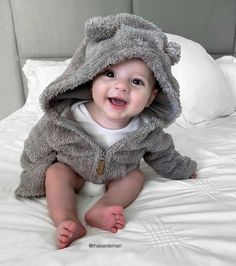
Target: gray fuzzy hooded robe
(56,137)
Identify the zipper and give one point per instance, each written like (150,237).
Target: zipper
(100,167)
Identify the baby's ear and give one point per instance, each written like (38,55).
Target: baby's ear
(101,28)
(152,97)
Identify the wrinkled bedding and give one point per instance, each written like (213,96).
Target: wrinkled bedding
(189,222)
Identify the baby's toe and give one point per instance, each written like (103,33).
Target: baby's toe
(65,232)
(119,226)
(114,229)
(71,226)
(117,210)
(63,239)
(62,245)
(120,220)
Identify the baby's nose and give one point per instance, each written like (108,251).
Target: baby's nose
(122,85)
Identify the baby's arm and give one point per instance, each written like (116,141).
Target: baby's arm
(166,161)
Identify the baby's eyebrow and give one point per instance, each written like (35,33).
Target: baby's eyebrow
(109,68)
(106,69)
(141,76)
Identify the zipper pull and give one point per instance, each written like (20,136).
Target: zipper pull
(100,167)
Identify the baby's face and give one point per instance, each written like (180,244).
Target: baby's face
(122,91)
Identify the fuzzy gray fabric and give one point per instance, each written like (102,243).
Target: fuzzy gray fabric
(56,137)
(110,40)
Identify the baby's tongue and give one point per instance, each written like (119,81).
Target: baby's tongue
(118,102)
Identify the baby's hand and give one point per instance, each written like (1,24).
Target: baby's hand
(193,176)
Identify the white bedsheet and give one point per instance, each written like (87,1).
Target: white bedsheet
(191,222)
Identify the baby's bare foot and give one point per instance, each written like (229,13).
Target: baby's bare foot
(107,218)
(67,232)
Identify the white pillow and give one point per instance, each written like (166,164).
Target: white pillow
(39,74)
(228,66)
(204,90)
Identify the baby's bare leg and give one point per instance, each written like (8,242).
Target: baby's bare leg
(107,213)
(61,183)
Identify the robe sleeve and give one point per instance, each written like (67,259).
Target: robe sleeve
(36,157)
(166,161)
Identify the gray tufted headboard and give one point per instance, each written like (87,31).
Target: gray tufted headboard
(52,29)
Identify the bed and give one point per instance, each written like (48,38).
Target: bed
(187,222)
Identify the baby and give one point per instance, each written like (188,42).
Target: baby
(103,115)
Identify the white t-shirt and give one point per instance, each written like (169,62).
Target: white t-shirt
(103,136)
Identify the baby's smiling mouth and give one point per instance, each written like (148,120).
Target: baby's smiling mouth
(117,102)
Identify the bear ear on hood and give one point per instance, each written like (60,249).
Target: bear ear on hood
(101,28)
(173,49)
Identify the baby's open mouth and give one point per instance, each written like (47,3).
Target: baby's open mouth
(117,102)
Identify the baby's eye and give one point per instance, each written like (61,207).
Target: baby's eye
(137,82)
(109,73)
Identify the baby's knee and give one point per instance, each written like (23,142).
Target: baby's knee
(59,172)
(138,175)
(62,173)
